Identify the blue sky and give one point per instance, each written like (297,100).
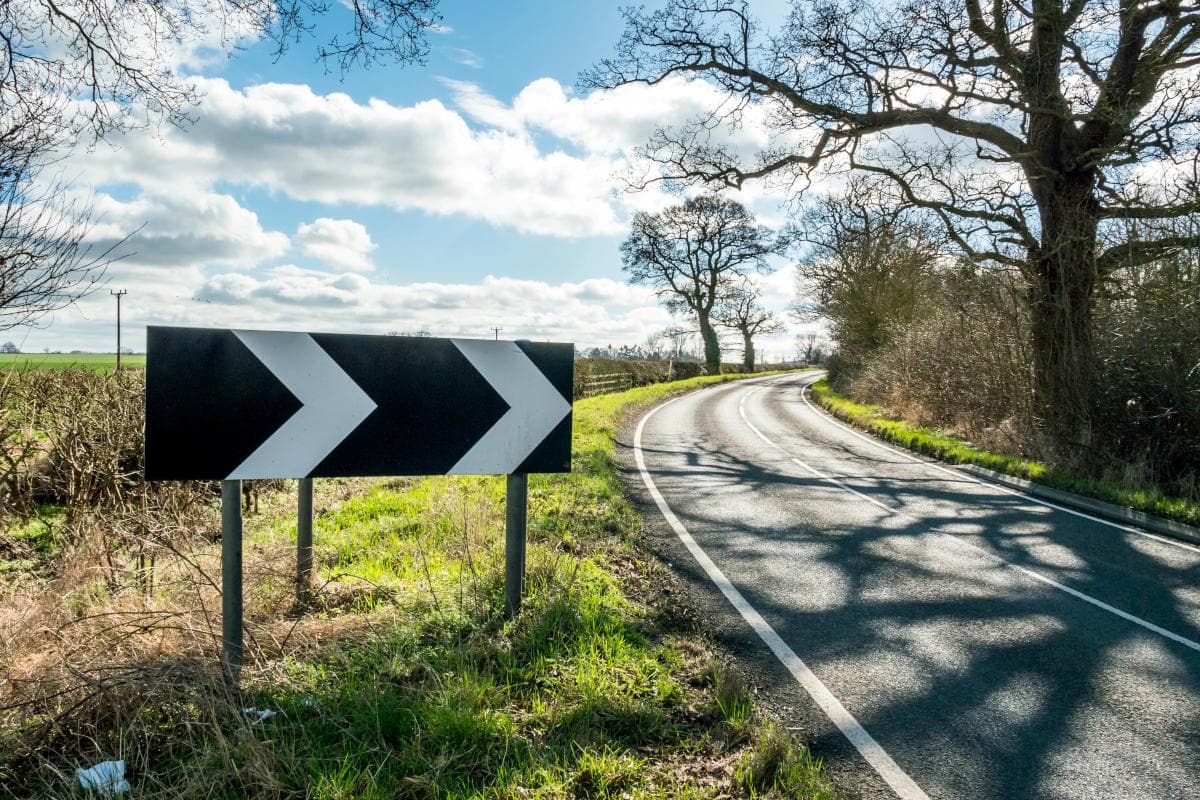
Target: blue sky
(479,189)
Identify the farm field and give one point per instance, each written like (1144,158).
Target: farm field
(96,361)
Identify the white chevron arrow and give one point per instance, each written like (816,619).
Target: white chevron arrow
(332,405)
(534,407)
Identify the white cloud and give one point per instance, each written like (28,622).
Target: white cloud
(184,227)
(337,242)
(596,312)
(332,149)
(461,55)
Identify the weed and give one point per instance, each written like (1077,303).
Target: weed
(778,766)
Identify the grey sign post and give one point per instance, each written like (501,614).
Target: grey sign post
(516,504)
(234,405)
(304,539)
(231,578)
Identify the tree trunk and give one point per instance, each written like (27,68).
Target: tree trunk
(712,345)
(747,351)
(1060,301)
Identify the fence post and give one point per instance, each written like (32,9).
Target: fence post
(231,579)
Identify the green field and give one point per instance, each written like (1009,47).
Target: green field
(96,361)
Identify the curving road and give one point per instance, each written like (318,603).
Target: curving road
(955,639)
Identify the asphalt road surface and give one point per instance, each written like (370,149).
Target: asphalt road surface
(955,639)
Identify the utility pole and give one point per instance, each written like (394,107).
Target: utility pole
(497,332)
(118,295)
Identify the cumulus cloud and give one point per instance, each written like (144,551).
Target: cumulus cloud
(337,242)
(481,160)
(544,163)
(331,149)
(594,312)
(614,121)
(184,227)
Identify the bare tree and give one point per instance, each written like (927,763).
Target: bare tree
(867,266)
(97,65)
(1023,126)
(740,310)
(691,253)
(79,69)
(809,348)
(681,339)
(45,263)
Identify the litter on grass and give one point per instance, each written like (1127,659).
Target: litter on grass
(258,715)
(106,779)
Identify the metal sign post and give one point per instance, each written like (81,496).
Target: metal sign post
(304,539)
(516,504)
(231,579)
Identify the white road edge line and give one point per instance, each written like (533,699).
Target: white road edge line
(990,484)
(1087,598)
(904,786)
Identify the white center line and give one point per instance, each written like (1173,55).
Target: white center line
(895,777)
(1087,598)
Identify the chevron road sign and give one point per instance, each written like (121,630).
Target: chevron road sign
(236,404)
(232,405)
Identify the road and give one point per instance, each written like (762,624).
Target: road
(966,640)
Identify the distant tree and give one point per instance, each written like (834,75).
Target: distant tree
(631,352)
(739,310)
(1026,129)
(692,253)
(809,348)
(9,348)
(682,340)
(867,265)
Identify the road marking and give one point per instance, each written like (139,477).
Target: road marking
(990,484)
(1087,598)
(904,786)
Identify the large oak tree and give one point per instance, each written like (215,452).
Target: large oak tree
(1027,127)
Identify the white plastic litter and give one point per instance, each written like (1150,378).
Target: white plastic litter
(258,715)
(105,779)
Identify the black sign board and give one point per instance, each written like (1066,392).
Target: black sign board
(236,404)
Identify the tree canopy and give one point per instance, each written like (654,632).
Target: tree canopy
(1027,128)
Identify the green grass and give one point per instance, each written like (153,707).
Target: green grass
(96,361)
(419,688)
(938,444)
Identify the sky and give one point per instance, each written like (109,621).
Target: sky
(479,190)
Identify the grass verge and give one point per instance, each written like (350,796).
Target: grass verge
(935,443)
(399,677)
